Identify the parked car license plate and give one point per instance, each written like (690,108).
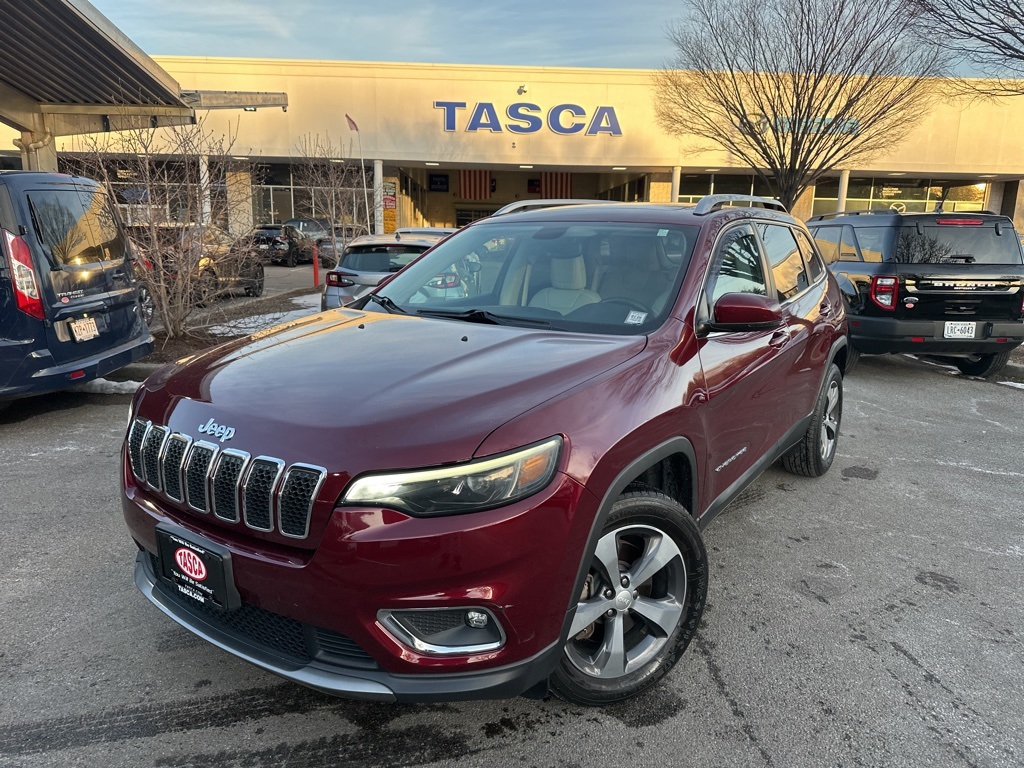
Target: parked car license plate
(195,569)
(264,247)
(960,330)
(84,329)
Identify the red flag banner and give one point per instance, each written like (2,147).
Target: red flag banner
(475,185)
(351,124)
(556,185)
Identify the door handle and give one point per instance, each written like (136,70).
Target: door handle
(779,339)
(825,308)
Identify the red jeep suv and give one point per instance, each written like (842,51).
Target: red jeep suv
(501,489)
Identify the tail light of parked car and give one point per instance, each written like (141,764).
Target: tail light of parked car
(339,279)
(23,276)
(883,291)
(445,280)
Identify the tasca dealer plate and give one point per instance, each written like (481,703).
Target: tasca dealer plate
(197,569)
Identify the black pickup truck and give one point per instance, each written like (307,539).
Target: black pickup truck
(945,284)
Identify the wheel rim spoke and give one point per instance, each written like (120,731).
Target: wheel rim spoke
(587,613)
(608,555)
(611,658)
(659,553)
(661,615)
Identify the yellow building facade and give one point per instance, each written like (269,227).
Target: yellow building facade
(445,144)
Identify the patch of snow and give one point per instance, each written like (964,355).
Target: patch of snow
(107,387)
(1016,384)
(305,306)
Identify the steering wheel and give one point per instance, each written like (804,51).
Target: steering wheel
(628,302)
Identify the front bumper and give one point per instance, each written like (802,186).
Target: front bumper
(349,683)
(518,562)
(879,335)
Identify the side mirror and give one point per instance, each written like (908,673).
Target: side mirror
(744,313)
(473,267)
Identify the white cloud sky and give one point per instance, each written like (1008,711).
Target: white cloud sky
(588,33)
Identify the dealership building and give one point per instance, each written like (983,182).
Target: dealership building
(443,145)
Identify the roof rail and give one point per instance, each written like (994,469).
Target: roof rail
(710,203)
(873,211)
(531,205)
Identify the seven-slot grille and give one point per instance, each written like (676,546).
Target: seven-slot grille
(230,484)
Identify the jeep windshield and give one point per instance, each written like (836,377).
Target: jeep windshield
(589,277)
(943,241)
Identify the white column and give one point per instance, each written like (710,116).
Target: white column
(674,193)
(204,189)
(378,197)
(844,186)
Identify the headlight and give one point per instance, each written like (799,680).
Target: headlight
(469,487)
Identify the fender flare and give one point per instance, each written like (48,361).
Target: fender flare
(636,467)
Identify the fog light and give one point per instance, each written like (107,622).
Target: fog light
(445,631)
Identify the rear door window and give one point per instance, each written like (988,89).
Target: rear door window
(784,257)
(76,226)
(812,261)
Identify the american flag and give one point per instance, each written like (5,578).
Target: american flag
(556,185)
(475,185)
(351,124)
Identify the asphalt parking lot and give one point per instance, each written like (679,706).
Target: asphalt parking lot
(872,617)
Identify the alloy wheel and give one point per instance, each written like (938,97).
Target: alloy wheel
(830,421)
(632,602)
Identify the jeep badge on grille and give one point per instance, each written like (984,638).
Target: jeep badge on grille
(221,431)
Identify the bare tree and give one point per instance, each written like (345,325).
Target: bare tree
(796,88)
(172,191)
(986,34)
(333,181)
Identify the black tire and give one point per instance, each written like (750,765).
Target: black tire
(983,366)
(852,357)
(255,288)
(652,537)
(290,260)
(815,452)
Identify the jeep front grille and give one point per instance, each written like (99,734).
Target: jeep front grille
(256,492)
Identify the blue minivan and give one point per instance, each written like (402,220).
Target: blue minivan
(69,302)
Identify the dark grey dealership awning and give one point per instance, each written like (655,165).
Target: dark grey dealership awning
(66,69)
(63,52)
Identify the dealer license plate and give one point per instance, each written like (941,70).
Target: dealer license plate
(84,329)
(195,570)
(959,330)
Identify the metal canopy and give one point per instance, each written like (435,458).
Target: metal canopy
(66,52)
(66,70)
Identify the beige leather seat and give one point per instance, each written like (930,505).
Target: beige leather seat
(568,289)
(635,271)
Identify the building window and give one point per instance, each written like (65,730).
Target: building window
(910,195)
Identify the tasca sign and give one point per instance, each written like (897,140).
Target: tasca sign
(523,117)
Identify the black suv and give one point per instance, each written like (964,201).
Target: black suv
(946,284)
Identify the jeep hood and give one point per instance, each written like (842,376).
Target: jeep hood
(355,391)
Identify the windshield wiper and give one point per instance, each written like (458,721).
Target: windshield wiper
(483,316)
(387,303)
(964,257)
